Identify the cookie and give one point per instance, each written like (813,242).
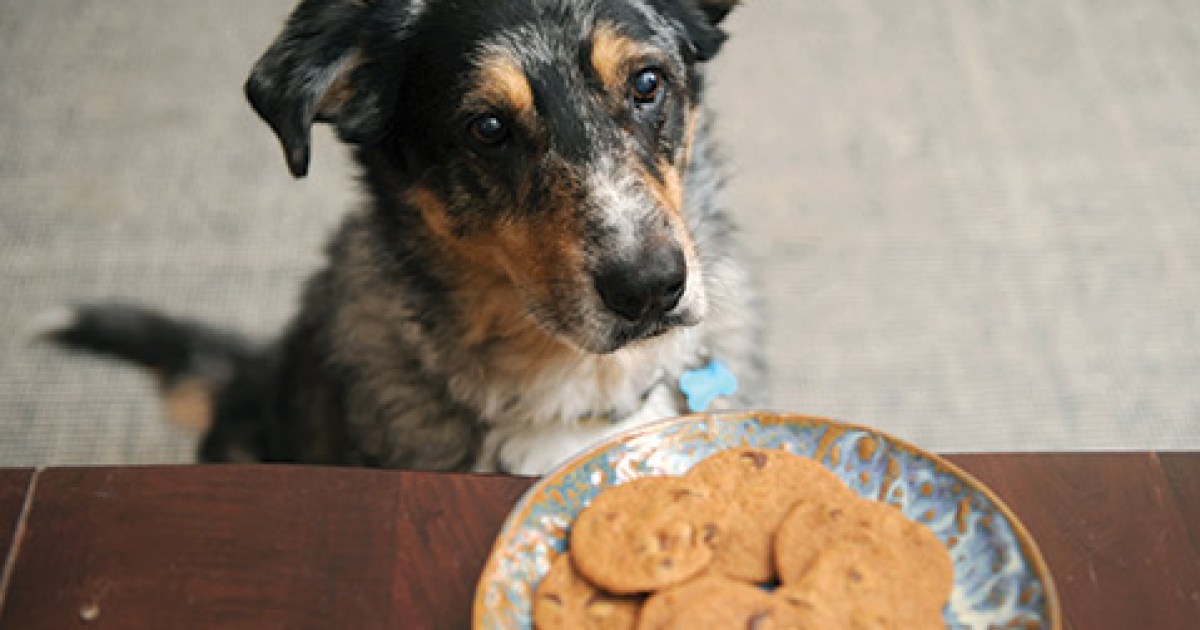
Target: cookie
(758,487)
(811,527)
(646,534)
(715,601)
(861,581)
(566,601)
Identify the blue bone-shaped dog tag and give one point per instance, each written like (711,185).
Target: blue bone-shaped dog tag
(704,385)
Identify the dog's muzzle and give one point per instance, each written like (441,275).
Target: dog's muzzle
(645,287)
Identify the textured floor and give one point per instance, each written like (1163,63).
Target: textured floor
(977,224)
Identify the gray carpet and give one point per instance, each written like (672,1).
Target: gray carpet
(977,224)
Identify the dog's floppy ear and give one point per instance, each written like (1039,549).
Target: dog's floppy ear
(316,71)
(699,20)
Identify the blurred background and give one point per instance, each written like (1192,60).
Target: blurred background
(976,225)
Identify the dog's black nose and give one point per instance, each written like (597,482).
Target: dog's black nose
(646,287)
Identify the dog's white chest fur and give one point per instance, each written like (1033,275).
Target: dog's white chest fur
(539,420)
(536,450)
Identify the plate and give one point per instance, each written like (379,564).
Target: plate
(1000,578)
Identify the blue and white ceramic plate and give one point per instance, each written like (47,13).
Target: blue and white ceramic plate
(1000,578)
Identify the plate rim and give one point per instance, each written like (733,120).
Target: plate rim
(519,509)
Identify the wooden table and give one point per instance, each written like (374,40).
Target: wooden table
(292,547)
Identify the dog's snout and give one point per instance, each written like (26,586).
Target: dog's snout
(645,287)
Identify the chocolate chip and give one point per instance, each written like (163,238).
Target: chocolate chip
(553,597)
(681,493)
(758,460)
(711,531)
(855,576)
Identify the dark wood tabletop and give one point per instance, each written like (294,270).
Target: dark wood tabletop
(294,547)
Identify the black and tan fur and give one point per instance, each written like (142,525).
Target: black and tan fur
(542,244)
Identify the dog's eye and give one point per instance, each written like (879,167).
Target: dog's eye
(488,129)
(645,87)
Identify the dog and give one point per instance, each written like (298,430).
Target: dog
(541,262)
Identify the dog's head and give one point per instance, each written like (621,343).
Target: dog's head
(542,142)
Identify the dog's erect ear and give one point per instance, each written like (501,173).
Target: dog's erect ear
(716,10)
(316,71)
(699,20)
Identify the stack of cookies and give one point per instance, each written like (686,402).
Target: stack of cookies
(749,538)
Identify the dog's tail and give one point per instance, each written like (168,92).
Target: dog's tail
(191,361)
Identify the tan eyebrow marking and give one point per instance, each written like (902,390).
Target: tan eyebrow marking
(612,54)
(501,83)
